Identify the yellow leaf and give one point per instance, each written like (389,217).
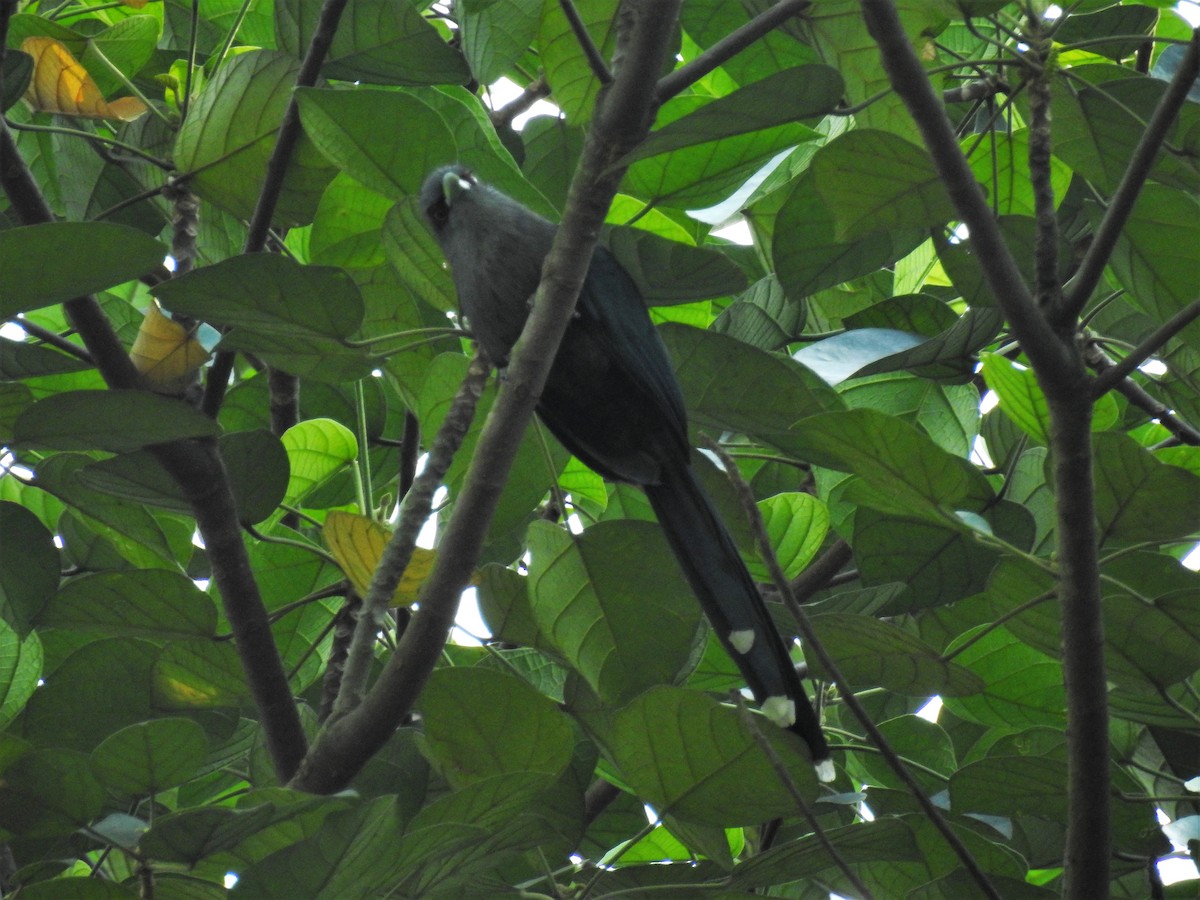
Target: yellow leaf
(61,85)
(165,353)
(357,543)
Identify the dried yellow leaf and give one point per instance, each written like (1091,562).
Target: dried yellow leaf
(61,85)
(357,543)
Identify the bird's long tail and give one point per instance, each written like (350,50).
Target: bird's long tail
(734,607)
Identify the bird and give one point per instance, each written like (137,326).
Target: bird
(611,398)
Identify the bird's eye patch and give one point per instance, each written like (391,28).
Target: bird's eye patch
(438,211)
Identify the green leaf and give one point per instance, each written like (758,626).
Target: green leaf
(49,793)
(296,317)
(20,671)
(873,652)
(782,97)
(807,220)
(1157,256)
(376,42)
(415,255)
(936,564)
(346,229)
(149,757)
(29,567)
(1021,398)
(687,755)
(588,599)
(904,471)
(199,675)
(101,687)
(21,359)
(101,255)
(1004,173)
(1012,785)
(317,450)
(224,144)
(690,168)
(670,272)
(1024,687)
(268,293)
(17,72)
(796,525)
(115,420)
(344,125)
(483,722)
(728,384)
(150,603)
(1137,497)
(875,181)
(495,35)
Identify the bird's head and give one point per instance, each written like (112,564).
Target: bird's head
(443,190)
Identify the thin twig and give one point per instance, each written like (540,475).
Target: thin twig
(789,785)
(728,47)
(414,510)
(1100,362)
(590,51)
(813,644)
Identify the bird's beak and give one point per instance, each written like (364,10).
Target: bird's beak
(453,187)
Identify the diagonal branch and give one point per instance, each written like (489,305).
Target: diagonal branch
(1079,288)
(590,51)
(623,115)
(1048,355)
(1109,378)
(728,47)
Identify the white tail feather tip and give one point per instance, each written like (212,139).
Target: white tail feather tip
(780,710)
(825,770)
(742,640)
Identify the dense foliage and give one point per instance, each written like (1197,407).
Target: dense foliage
(187,540)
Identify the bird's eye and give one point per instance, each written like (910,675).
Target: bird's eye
(438,212)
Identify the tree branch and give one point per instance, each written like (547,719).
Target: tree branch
(1100,362)
(728,47)
(198,470)
(538,89)
(813,644)
(414,510)
(1047,354)
(623,113)
(590,51)
(1153,342)
(1083,282)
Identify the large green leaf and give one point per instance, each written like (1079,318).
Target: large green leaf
(151,603)
(496,35)
(229,134)
(150,756)
(345,127)
(115,420)
(689,756)
(101,255)
(1157,256)
(29,566)
(728,384)
(482,722)
(810,255)
(1024,687)
(1140,499)
(875,181)
(376,42)
(567,70)
(589,600)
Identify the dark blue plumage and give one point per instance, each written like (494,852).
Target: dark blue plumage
(612,400)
